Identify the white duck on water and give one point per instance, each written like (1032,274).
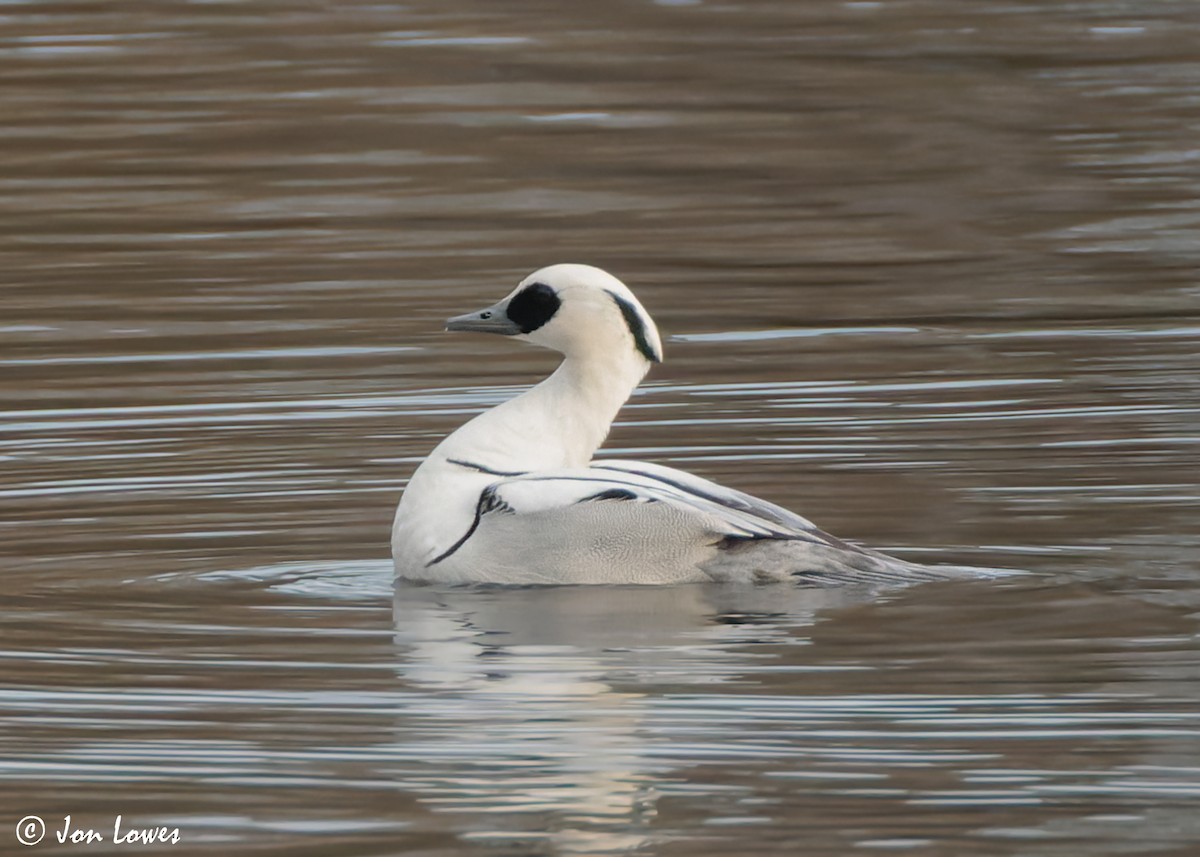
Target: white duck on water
(514,496)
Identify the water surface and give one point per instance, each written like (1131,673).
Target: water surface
(926,273)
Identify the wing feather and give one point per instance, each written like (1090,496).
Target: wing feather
(562,488)
(634,522)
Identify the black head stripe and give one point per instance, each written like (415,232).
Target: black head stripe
(637,328)
(532,307)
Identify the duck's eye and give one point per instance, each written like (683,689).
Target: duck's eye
(532,307)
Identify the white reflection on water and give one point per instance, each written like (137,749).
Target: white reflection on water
(534,693)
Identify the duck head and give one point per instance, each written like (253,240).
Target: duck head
(580,311)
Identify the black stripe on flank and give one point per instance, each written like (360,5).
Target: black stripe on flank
(812,534)
(574,479)
(637,327)
(481,469)
(834,541)
(686,489)
(488,502)
(611,494)
(734,541)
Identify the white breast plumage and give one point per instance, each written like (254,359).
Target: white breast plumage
(514,497)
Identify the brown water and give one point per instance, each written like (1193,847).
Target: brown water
(928,273)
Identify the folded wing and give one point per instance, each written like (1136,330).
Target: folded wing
(634,522)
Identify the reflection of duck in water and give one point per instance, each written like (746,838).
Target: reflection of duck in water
(540,712)
(514,496)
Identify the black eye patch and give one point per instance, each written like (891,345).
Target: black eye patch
(532,307)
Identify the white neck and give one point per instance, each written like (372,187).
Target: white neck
(558,423)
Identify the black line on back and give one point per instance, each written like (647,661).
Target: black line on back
(479,467)
(814,532)
(530,478)
(734,541)
(610,494)
(636,327)
(686,489)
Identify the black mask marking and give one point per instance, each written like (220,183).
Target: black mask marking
(532,307)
